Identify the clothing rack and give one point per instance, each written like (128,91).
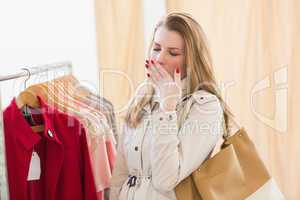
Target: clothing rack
(4,195)
(38,70)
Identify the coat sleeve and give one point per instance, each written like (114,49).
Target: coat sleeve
(120,172)
(175,153)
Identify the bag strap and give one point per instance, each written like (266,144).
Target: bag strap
(233,127)
(226,133)
(183,112)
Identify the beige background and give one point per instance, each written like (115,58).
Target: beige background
(120,41)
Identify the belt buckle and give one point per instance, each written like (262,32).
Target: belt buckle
(132,181)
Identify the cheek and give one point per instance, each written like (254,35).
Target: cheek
(169,69)
(172,65)
(176,63)
(179,64)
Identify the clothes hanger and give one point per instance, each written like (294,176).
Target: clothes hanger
(73,86)
(66,87)
(28,98)
(66,103)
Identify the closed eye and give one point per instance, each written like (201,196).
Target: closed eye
(171,53)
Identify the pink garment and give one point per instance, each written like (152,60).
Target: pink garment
(100,160)
(112,153)
(102,152)
(100,195)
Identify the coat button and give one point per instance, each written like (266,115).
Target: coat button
(50,134)
(136,148)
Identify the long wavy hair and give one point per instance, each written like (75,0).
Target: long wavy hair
(197,62)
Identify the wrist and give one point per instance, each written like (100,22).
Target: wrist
(169,106)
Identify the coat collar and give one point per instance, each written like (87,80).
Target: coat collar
(25,135)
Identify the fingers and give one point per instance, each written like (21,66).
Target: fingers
(153,66)
(163,72)
(177,77)
(158,71)
(158,74)
(151,73)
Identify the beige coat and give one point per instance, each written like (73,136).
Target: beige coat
(161,154)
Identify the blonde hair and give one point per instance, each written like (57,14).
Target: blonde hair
(198,64)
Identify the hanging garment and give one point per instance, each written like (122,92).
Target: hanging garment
(65,95)
(99,133)
(62,152)
(107,108)
(69,96)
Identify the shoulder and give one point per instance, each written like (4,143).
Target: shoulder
(204,111)
(203,98)
(202,106)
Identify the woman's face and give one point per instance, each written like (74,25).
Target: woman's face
(168,50)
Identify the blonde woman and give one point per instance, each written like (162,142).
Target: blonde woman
(163,141)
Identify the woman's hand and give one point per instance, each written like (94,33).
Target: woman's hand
(169,88)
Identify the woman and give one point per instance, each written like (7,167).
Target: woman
(163,141)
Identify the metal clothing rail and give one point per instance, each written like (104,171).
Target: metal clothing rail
(38,70)
(4,195)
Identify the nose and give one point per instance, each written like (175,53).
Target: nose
(161,58)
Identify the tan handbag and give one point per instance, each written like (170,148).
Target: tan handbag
(234,173)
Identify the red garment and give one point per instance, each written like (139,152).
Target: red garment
(62,148)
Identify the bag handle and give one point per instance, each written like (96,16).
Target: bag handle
(183,112)
(233,126)
(226,133)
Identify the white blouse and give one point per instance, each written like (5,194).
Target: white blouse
(154,157)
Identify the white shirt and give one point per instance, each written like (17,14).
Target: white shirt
(161,154)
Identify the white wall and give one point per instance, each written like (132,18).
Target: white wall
(36,32)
